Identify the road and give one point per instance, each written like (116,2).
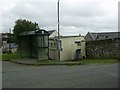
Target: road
(77,76)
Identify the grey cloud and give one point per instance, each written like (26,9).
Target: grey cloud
(34,9)
(43,13)
(75,17)
(83,9)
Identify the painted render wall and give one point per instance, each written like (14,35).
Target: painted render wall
(52,50)
(69,48)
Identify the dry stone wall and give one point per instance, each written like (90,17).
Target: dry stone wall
(108,48)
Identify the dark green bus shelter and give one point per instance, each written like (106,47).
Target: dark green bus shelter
(34,44)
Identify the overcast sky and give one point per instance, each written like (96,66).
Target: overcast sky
(76,16)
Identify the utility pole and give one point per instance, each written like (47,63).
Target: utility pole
(58,41)
(9,39)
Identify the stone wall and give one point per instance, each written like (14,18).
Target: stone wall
(109,48)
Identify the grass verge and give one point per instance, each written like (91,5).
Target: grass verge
(77,62)
(53,62)
(9,56)
(92,61)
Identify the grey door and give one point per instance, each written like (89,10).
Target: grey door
(78,54)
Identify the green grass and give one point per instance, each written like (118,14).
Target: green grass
(53,62)
(92,61)
(77,62)
(9,56)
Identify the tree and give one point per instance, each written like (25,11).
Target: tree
(22,25)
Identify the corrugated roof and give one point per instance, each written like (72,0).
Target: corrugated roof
(51,31)
(70,36)
(104,35)
(27,32)
(67,37)
(33,32)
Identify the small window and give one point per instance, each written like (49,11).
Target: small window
(78,43)
(42,32)
(106,36)
(51,44)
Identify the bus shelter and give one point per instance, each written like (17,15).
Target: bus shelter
(34,44)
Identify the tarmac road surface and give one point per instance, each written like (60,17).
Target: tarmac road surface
(76,76)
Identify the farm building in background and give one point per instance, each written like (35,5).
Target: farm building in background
(7,43)
(9,48)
